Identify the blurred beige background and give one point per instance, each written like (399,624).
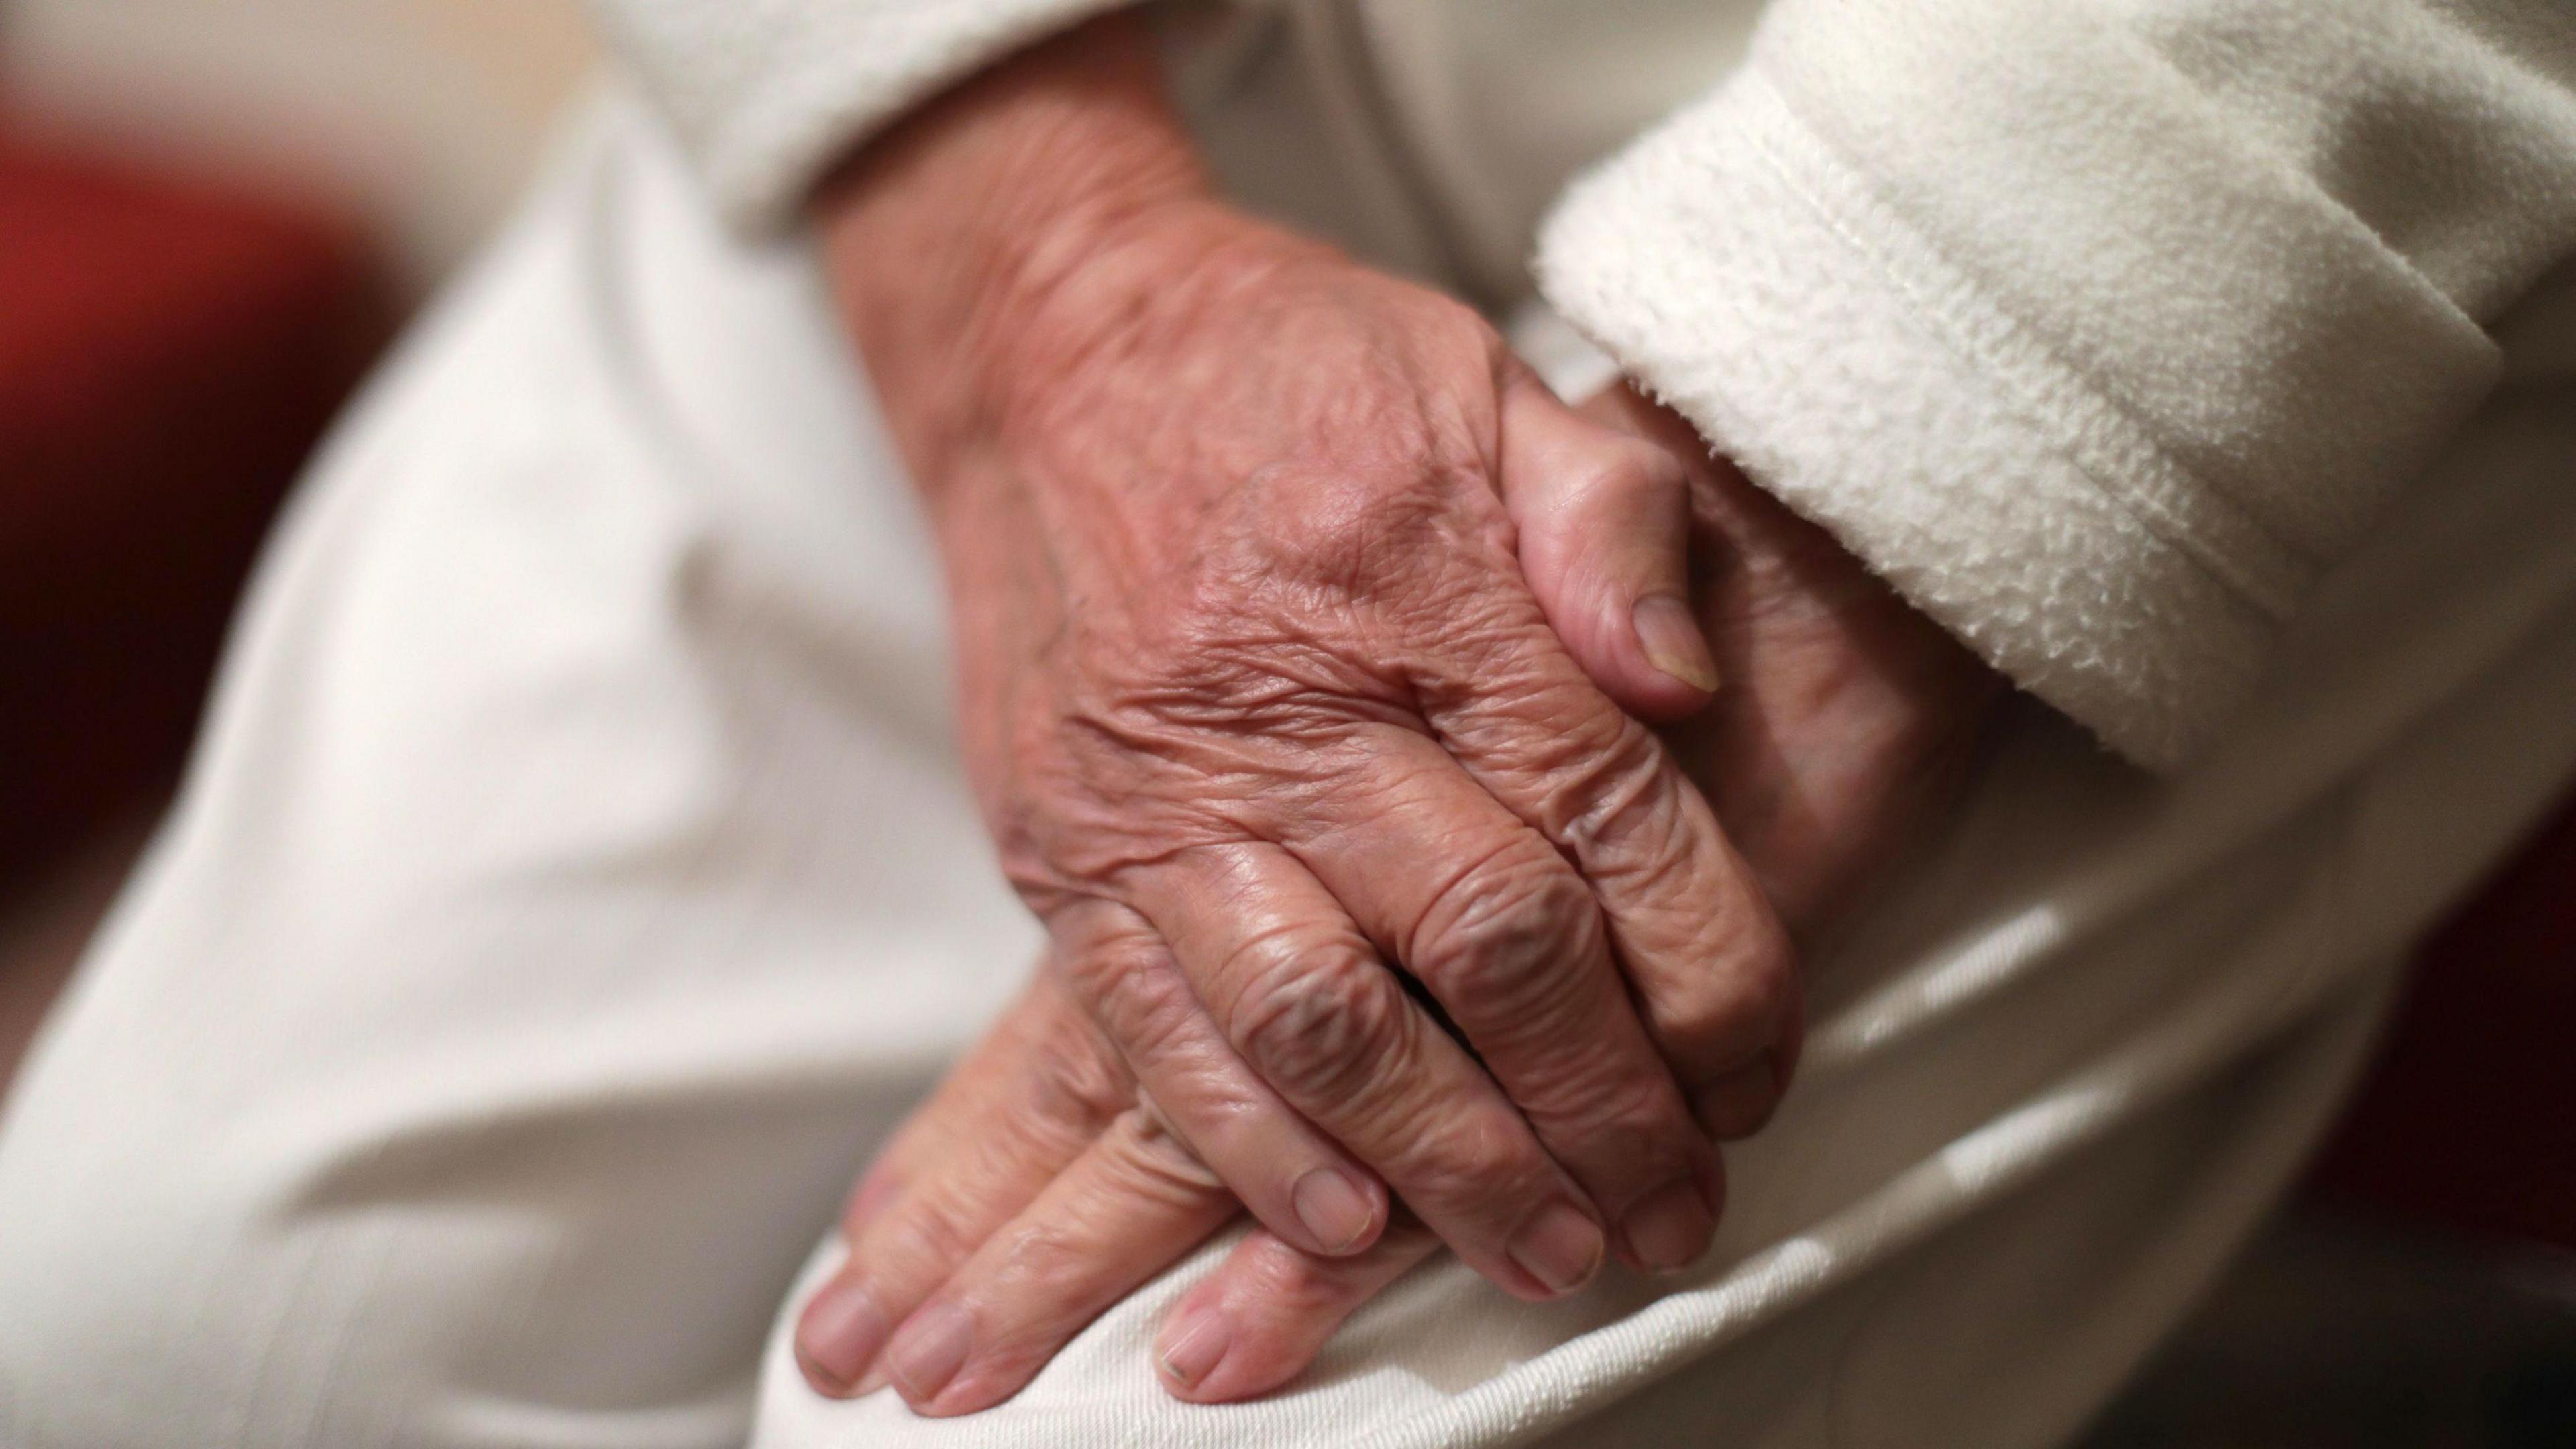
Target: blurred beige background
(423,116)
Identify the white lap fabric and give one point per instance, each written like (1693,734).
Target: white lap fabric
(576,881)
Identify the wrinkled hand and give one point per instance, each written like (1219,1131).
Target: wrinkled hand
(1259,704)
(1845,718)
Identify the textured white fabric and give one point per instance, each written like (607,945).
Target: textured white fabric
(767,93)
(2102,328)
(576,881)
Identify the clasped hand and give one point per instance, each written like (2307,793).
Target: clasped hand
(1303,639)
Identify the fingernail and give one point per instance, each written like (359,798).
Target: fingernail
(841,1330)
(1333,1208)
(1560,1247)
(1672,642)
(1192,1343)
(1669,1228)
(929,1350)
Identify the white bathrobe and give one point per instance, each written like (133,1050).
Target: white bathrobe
(576,879)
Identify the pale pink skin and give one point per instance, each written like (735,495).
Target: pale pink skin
(1299,635)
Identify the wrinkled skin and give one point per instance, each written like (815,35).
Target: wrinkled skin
(1845,721)
(1268,720)
(1302,642)
(1264,702)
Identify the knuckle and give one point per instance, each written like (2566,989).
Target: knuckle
(1317,1019)
(1144,1006)
(1094,965)
(1749,1004)
(1036,1261)
(1077,1083)
(1508,940)
(1642,1127)
(1629,1121)
(1287,1285)
(1157,1159)
(1483,1158)
(1617,799)
(1625,1112)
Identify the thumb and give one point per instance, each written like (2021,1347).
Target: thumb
(1604,524)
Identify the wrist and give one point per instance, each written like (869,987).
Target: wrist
(949,238)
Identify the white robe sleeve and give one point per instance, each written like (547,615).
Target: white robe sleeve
(766,94)
(2099,327)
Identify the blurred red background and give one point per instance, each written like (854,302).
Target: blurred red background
(172,351)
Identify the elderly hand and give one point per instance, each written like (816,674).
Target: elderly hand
(1845,718)
(1259,703)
